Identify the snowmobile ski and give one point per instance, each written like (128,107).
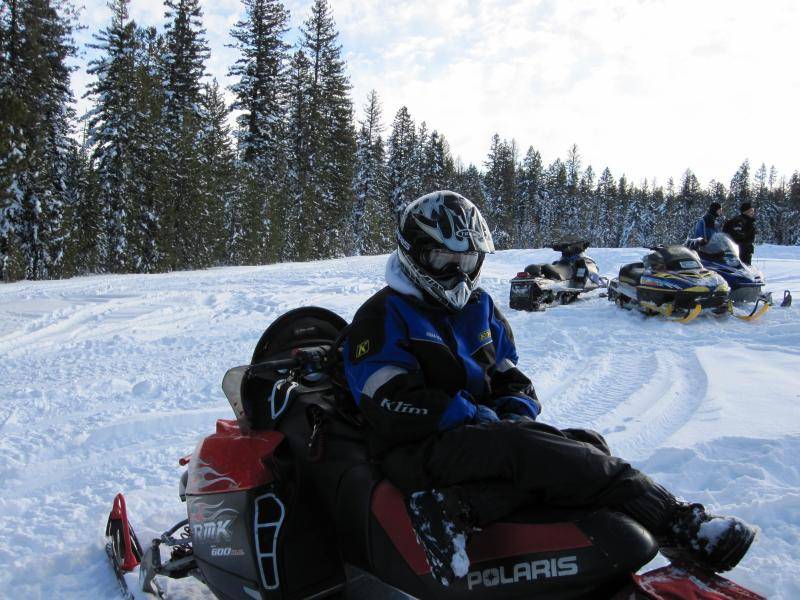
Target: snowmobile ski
(759,308)
(691,315)
(677,582)
(668,311)
(123,548)
(787,299)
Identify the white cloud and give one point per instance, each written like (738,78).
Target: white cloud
(648,88)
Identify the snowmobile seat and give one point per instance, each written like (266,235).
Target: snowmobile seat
(555,271)
(559,272)
(672,258)
(632,272)
(571,247)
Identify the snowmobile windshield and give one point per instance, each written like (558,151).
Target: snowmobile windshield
(721,244)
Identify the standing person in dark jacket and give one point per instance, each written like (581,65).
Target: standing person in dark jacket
(432,364)
(706,226)
(742,230)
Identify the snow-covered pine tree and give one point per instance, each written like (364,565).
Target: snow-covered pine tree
(469,183)
(500,192)
(331,141)
(297,244)
(606,210)
(792,219)
(13,146)
(401,169)
(769,207)
(372,220)
(218,174)
(573,166)
(110,134)
(150,172)
(741,189)
(689,207)
(419,158)
(436,167)
(574,214)
(555,226)
(624,211)
(261,96)
(83,254)
(527,204)
(184,65)
(641,217)
(36,144)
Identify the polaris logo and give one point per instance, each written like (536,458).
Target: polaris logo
(403,408)
(524,571)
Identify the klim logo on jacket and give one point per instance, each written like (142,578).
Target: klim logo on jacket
(404,408)
(362,349)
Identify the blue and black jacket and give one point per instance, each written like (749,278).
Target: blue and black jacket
(706,227)
(416,370)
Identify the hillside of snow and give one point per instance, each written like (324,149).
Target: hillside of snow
(107,380)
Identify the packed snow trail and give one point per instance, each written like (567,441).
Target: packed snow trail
(108,380)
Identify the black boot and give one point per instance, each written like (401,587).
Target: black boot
(709,542)
(443,532)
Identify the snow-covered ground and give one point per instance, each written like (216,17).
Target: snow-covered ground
(106,381)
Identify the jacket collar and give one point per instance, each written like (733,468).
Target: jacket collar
(397,279)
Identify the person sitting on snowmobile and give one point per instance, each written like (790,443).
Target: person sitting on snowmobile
(431,363)
(706,226)
(742,230)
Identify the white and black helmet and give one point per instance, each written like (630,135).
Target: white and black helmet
(442,240)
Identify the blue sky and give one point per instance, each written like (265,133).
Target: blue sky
(645,87)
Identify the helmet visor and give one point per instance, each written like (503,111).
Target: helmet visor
(440,261)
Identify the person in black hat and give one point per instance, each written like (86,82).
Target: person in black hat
(742,230)
(707,225)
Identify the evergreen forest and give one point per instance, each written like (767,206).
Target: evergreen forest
(156,177)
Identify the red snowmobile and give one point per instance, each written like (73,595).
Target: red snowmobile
(284,503)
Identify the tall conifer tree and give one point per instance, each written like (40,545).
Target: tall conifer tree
(331,138)
(184,65)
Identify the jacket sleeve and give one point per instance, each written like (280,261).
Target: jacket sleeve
(730,228)
(512,391)
(700,229)
(388,385)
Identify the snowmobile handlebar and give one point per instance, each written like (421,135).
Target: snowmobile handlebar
(300,356)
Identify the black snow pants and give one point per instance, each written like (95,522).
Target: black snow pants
(498,468)
(746,252)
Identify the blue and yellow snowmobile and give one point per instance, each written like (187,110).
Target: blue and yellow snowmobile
(670,281)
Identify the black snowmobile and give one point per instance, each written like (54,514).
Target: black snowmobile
(672,282)
(284,503)
(543,285)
